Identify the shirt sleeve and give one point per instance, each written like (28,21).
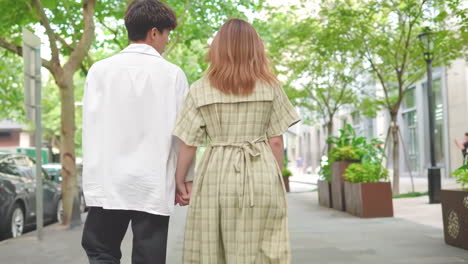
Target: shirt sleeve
(190,126)
(182,88)
(283,114)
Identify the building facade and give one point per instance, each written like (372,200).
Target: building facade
(450,93)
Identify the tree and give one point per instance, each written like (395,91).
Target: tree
(70,29)
(321,73)
(385,33)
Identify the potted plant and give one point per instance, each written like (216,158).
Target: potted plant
(286,174)
(455,210)
(347,150)
(324,184)
(368,192)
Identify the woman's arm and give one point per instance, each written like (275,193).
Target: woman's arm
(184,161)
(277,146)
(459,144)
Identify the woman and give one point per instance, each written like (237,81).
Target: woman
(238,209)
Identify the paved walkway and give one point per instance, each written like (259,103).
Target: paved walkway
(406,186)
(318,235)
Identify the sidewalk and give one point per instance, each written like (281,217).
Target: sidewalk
(318,235)
(420,184)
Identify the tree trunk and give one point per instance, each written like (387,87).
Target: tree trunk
(329,133)
(67,148)
(396,154)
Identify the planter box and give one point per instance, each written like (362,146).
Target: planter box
(286,183)
(337,184)
(324,193)
(369,200)
(455,216)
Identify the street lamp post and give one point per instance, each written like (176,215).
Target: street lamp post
(434,181)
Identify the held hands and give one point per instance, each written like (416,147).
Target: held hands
(183,193)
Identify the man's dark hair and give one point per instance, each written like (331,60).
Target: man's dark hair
(466,134)
(143,15)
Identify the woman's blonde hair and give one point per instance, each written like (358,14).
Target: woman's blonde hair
(237,59)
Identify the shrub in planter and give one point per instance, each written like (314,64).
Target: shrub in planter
(341,158)
(324,184)
(346,151)
(286,174)
(337,184)
(455,211)
(367,191)
(366,172)
(350,149)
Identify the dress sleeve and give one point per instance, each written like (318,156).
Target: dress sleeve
(283,114)
(190,126)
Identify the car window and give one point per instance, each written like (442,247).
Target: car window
(45,175)
(8,167)
(24,166)
(27,168)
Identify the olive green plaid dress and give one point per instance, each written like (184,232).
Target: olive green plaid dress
(238,209)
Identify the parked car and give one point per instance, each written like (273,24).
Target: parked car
(55,172)
(18,195)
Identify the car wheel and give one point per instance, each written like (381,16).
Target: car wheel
(59,212)
(16,221)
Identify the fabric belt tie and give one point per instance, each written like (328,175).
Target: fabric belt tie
(248,150)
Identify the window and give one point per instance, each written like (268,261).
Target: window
(411,138)
(370,128)
(410,130)
(438,114)
(410,99)
(5,135)
(344,122)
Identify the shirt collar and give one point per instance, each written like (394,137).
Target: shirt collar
(141,48)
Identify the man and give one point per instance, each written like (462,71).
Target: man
(463,145)
(129,111)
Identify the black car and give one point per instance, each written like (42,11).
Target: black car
(54,170)
(18,195)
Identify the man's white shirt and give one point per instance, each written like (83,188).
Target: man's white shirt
(130,107)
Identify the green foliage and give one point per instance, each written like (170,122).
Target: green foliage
(198,21)
(319,73)
(365,172)
(11,88)
(385,34)
(346,153)
(373,151)
(369,106)
(347,145)
(287,173)
(325,170)
(347,137)
(461,175)
(350,147)
(410,195)
(285,161)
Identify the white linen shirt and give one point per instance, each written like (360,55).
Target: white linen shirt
(130,106)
